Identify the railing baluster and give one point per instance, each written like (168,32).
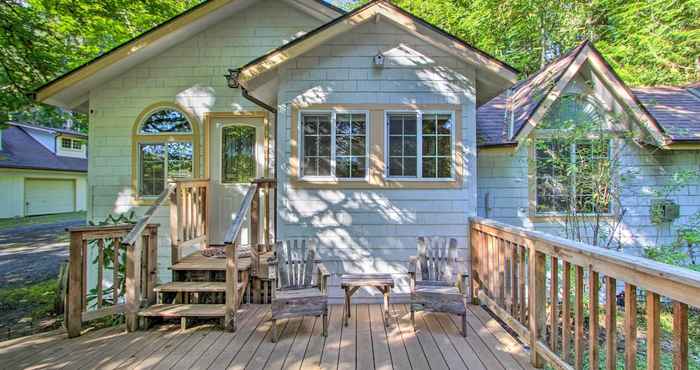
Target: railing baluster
(554,307)
(501,272)
(75,285)
(116,243)
(680,336)
(538,302)
(566,311)
(610,323)
(578,325)
(653,331)
(100,270)
(630,327)
(521,289)
(593,301)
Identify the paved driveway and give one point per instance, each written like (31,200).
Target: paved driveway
(33,253)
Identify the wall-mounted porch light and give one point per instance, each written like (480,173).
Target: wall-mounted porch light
(232,78)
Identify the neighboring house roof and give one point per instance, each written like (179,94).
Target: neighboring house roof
(70,89)
(62,131)
(676,109)
(520,108)
(493,67)
(20,150)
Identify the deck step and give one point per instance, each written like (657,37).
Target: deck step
(183,310)
(194,287)
(197,262)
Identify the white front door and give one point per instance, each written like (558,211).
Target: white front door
(237,156)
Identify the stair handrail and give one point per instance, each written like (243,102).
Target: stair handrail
(132,236)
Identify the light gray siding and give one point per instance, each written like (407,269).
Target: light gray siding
(375,230)
(191,74)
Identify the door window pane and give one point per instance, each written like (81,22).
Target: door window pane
(237,154)
(403,144)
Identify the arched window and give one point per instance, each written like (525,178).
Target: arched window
(165,147)
(573,110)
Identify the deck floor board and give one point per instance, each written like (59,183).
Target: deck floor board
(366,343)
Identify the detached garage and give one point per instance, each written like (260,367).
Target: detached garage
(43,196)
(42,171)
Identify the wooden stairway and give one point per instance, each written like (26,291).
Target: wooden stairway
(195,279)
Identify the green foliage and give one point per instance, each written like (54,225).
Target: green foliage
(41,40)
(37,299)
(648,42)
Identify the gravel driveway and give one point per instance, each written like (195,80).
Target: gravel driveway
(33,253)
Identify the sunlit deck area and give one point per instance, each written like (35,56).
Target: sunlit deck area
(365,344)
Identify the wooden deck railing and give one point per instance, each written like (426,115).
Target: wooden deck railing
(250,208)
(103,247)
(133,246)
(526,278)
(188,215)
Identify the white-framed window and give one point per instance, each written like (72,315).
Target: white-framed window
(165,143)
(420,145)
(334,144)
(66,143)
(77,144)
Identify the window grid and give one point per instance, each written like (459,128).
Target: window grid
(555,190)
(321,134)
(403,144)
(66,143)
(350,143)
(428,138)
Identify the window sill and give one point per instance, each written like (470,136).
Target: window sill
(375,182)
(561,216)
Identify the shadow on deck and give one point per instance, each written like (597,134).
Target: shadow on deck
(365,344)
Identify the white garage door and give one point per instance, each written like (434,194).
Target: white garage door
(44,196)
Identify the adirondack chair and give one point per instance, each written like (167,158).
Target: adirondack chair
(295,293)
(438,279)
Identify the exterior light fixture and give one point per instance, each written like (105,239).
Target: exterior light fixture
(379,60)
(232,78)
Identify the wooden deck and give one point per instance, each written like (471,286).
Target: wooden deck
(365,344)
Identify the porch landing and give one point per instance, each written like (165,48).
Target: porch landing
(365,344)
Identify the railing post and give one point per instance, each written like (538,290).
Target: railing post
(474,265)
(152,264)
(174,213)
(255,219)
(133,282)
(74,301)
(537,302)
(231,287)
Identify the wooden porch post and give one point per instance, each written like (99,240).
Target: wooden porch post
(74,300)
(231,287)
(133,282)
(537,302)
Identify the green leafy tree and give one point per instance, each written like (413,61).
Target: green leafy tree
(648,42)
(42,39)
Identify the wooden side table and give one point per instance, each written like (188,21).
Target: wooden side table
(350,283)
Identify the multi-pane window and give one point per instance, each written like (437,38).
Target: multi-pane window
(161,161)
(350,145)
(77,144)
(165,149)
(66,143)
(334,144)
(420,144)
(567,175)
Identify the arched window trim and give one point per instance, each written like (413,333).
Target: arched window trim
(139,138)
(147,114)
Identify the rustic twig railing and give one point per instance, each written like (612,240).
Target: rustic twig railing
(103,245)
(510,276)
(188,215)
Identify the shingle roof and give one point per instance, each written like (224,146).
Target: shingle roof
(676,109)
(57,130)
(519,102)
(20,150)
